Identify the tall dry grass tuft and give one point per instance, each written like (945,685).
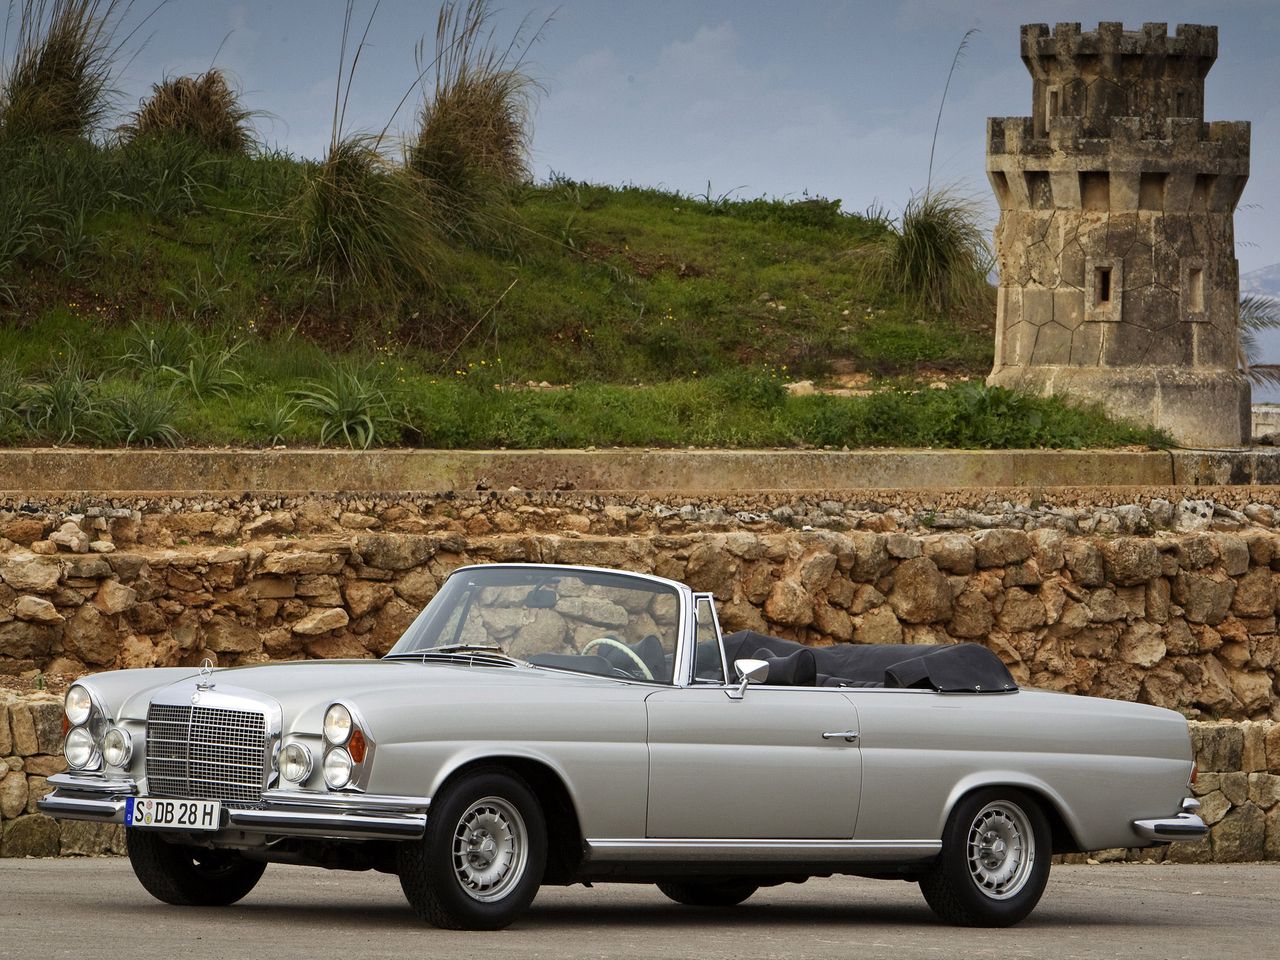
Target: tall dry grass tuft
(361,220)
(472,138)
(56,80)
(204,107)
(936,255)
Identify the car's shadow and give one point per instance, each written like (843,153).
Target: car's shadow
(803,916)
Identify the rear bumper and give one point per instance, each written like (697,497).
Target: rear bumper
(282,813)
(1185,826)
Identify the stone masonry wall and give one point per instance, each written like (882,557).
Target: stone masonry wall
(1161,602)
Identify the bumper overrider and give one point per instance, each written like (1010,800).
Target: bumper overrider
(284,813)
(1185,826)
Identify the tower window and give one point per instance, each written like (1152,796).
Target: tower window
(1102,287)
(1053,104)
(1195,290)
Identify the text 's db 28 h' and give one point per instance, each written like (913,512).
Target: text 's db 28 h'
(543,724)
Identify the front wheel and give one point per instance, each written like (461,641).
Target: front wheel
(994,862)
(708,893)
(483,856)
(190,876)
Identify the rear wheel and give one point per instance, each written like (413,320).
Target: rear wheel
(483,856)
(709,893)
(994,863)
(190,876)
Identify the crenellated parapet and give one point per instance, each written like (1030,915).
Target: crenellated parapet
(1116,246)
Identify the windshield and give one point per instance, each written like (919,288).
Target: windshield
(611,624)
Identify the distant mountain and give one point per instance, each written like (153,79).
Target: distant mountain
(1263,282)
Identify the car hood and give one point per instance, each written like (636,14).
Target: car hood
(307,687)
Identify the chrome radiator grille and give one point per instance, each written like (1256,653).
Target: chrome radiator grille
(206,753)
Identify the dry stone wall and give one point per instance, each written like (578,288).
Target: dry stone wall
(1165,602)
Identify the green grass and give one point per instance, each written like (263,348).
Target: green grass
(176,281)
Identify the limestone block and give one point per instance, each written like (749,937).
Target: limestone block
(789,604)
(1085,563)
(1240,836)
(394,552)
(85,839)
(35,835)
(952,553)
(13,794)
(921,593)
(417,586)
(46,719)
(36,610)
(30,573)
(23,726)
(1131,560)
(1206,598)
(1000,547)
(833,622)
(1218,747)
(1264,790)
(114,597)
(302,562)
(321,621)
(878,626)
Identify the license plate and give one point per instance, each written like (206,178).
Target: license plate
(172,814)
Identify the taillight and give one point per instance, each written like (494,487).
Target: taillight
(1195,769)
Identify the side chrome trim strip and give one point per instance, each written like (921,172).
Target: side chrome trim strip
(341,802)
(343,826)
(817,851)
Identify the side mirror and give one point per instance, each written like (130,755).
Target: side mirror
(749,671)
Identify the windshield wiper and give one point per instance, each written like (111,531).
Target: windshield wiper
(465,648)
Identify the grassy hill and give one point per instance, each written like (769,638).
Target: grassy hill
(158,293)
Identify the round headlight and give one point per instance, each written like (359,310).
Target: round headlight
(78,705)
(337,769)
(295,762)
(117,747)
(79,749)
(337,724)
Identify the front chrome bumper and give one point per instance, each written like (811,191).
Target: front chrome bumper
(283,813)
(1185,826)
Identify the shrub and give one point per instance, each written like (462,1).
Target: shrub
(472,140)
(56,83)
(361,220)
(204,108)
(142,416)
(936,255)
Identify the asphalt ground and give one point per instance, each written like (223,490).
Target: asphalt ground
(93,908)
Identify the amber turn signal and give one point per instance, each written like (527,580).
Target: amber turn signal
(357,746)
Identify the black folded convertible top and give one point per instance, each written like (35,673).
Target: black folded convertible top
(953,668)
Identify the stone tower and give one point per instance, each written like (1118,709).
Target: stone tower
(1115,245)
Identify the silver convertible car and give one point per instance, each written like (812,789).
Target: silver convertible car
(556,725)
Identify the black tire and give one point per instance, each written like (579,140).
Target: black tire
(190,876)
(994,863)
(496,816)
(709,893)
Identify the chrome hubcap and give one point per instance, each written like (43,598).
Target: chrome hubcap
(489,849)
(1001,850)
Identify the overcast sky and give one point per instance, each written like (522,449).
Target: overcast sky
(836,97)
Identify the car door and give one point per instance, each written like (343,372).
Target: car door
(757,767)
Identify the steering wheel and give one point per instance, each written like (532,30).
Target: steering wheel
(613,644)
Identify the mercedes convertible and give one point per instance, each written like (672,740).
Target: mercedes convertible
(545,724)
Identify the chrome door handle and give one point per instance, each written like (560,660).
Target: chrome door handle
(849,736)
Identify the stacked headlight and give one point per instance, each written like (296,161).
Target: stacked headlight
(346,747)
(80,747)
